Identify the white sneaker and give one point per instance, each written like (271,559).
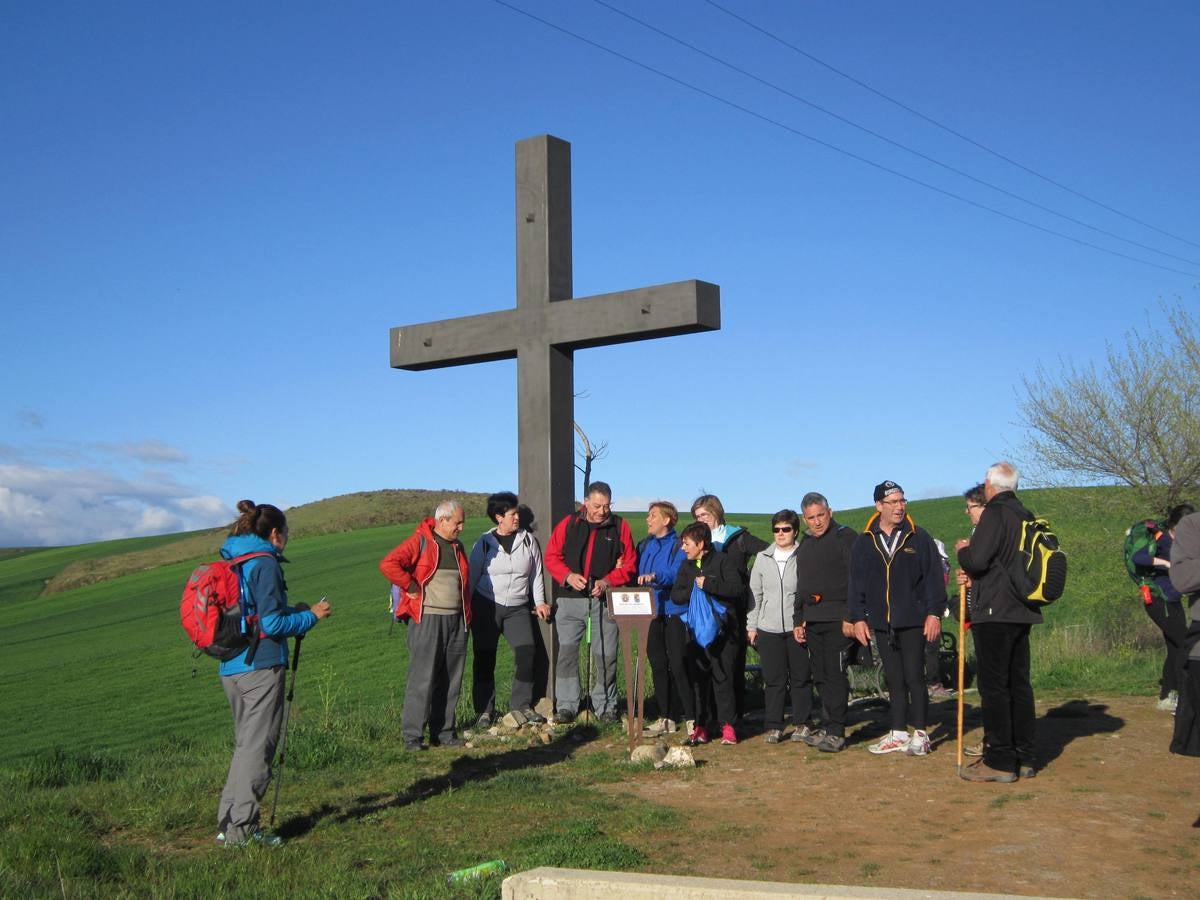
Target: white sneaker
(1169,702)
(659,727)
(918,744)
(892,742)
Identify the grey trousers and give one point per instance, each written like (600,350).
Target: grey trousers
(437,652)
(256,699)
(571,620)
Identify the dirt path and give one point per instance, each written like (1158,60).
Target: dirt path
(1110,814)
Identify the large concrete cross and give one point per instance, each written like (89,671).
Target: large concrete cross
(544,331)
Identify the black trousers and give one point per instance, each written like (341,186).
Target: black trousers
(1005,692)
(902,652)
(739,658)
(827,648)
(784,662)
(716,670)
(670,677)
(681,663)
(1172,623)
(1186,739)
(488,621)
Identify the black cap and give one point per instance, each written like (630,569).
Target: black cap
(886,488)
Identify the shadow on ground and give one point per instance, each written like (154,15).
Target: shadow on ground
(464,770)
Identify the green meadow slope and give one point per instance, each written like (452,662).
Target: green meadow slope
(105,666)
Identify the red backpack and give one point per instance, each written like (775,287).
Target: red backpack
(211,609)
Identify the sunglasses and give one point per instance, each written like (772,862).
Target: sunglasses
(781,529)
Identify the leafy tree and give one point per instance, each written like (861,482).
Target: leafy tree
(1134,419)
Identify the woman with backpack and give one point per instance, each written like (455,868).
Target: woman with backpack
(505,574)
(712,572)
(1164,605)
(254,679)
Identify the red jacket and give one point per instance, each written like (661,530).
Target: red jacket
(411,566)
(573,535)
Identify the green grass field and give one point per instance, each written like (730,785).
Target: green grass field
(114,753)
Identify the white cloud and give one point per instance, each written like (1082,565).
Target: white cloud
(42,506)
(148,451)
(798,468)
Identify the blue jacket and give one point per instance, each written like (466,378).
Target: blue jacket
(265,593)
(662,557)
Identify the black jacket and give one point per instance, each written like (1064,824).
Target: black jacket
(823,570)
(899,592)
(989,560)
(741,549)
(721,579)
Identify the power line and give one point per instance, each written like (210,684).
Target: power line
(947,128)
(834,147)
(889,140)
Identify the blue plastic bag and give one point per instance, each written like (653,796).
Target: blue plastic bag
(703,617)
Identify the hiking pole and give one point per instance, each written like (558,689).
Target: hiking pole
(283,728)
(588,690)
(962,635)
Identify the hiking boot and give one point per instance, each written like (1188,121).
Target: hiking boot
(981,771)
(974,750)
(890,743)
(1026,771)
(728,735)
(532,716)
(612,717)
(806,734)
(563,717)
(698,736)
(266,838)
(1168,703)
(774,736)
(918,744)
(451,741)
(413,746)
(484,722)
(831,743)
(659,727)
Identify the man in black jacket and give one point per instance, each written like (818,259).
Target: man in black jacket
(1000,621)
(897,591)
(821,619)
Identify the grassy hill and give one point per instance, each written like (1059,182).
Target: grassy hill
(111,746)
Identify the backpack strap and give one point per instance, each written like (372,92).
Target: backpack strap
(255,634)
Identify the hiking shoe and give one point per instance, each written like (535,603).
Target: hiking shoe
(890,743)
(1026,771)
(451,741)
(728,735)
(981,771)
(612,717)
(220,837)
(484,722)
(831,743)
(774,736)
(413,746)
(806,734)
(698,736)
(266,838)
(974,750)
(660,727)
(938,691)
(1168,703)
(918,744)
(532,716)
(564,717)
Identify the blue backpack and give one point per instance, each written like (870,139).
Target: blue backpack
(703,616)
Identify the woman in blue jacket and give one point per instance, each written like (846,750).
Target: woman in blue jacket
(659,558)
(253,680)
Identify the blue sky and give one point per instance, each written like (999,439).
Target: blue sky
(213,213)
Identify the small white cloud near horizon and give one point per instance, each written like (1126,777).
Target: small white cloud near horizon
(148,451)
(42,506)
(799,468)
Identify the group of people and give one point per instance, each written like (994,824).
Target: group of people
(806,602)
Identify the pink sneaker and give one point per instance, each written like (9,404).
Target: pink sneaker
(699,735)
(728,735)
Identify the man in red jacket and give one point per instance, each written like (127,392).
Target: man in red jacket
(431,574)
(589,552)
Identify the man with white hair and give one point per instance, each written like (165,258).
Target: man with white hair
(1001,619)
(431,576)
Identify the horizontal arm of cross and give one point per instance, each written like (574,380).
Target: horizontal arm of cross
(683,307)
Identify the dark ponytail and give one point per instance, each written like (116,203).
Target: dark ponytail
(258,518)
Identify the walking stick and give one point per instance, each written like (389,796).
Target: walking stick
(283,729)
(962,635)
